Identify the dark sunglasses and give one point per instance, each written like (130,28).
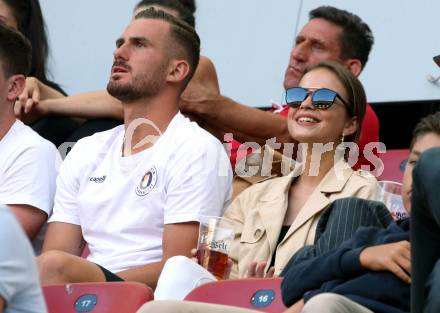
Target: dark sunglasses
(322,98)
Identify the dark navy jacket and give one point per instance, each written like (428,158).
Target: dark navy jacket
(339,271)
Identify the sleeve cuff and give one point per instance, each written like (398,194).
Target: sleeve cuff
(26,200)
(181,218)
(63,219)
(350,263)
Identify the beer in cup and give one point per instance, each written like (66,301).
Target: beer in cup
(215,238)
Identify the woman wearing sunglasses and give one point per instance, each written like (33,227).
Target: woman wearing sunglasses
(278,217)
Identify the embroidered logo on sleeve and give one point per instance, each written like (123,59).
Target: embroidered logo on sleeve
(147,183)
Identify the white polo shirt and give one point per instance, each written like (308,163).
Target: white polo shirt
(28,168)
(122,203)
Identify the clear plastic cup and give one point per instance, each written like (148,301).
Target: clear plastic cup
(215,239)
(390,193)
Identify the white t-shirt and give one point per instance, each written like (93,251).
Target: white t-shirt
(19,281)
(122,203)
(28,168)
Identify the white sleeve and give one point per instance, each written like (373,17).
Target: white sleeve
(200,179)
(67,186)
(31,178)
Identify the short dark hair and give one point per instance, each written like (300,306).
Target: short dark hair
(31,24)
(15,52)
(190,5)
(184,13)
(356,39)
(184,39)
(428,124)
(357,99)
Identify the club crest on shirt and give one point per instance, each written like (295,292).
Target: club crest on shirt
(147,183)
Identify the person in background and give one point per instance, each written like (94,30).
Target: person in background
(330,34)
(134,193)
(104,110)
(20,289)
(425,220)
(26,17)
(28,164)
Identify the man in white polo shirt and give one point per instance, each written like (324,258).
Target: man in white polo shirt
(27,161)
(134,193)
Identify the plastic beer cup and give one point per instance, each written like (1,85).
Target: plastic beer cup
(215,238)
(390,193)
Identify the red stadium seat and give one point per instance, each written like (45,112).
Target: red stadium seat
(261,294)
(112,297)
(394,162)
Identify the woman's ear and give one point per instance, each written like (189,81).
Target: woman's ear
(351,126)
(16,84)
(179,70)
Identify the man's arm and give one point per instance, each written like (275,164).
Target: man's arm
(346,261)
(246,123)
(96,104)
(2,304)
(64,237)
(311,274)
(341,216)
(39,99)
(34,91)
(205,76)
(30,218)
(177,239)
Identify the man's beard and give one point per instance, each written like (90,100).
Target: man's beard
(144,86)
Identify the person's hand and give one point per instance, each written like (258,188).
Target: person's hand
(256,270)
(394,257)
(29,97)
(28,107)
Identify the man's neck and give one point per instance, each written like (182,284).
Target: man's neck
(145,120)
(7,119)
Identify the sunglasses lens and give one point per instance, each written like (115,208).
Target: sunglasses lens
(323,98)
(295,96)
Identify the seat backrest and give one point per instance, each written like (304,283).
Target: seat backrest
(261,294)
(111,297)
(394,162)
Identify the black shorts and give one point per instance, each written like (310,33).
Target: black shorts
(109,276)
